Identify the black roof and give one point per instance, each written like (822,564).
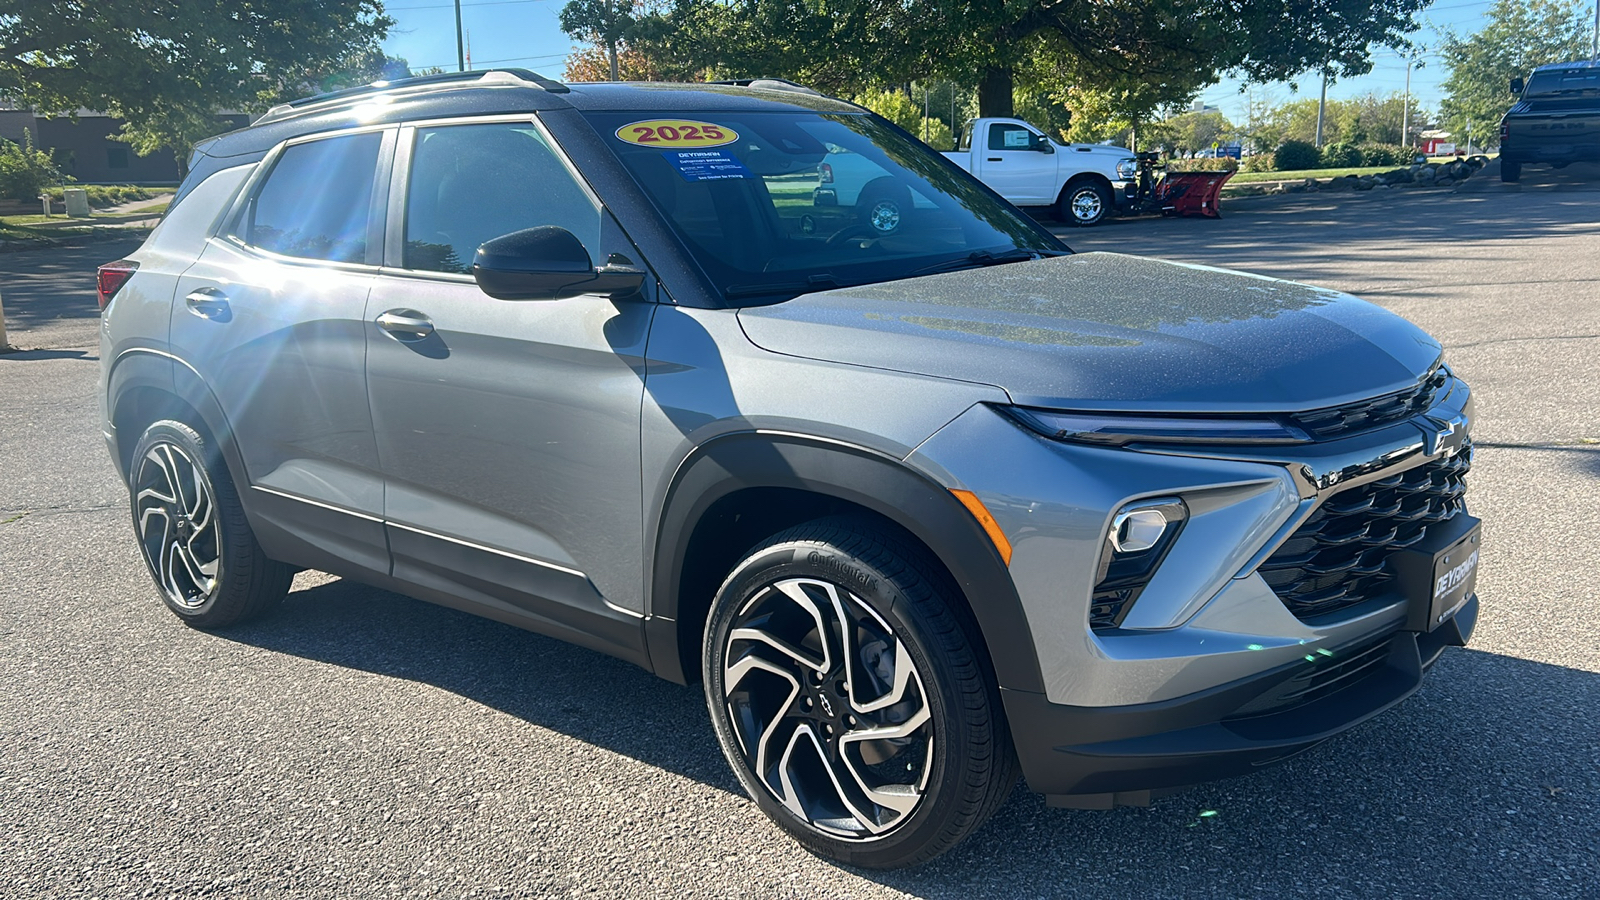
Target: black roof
(503,91)
(1577,64)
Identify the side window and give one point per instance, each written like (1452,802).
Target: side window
(317,202)
(1009,137)
(471,183)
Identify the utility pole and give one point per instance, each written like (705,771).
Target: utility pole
(925,113)
(1405,111)
(1596,56)
(1322,108)
(461,55)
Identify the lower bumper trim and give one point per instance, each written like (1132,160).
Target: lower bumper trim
(1095,758)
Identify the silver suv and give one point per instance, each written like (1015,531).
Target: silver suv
(923,498)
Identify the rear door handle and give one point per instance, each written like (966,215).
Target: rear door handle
(996,159)
(405,324)
(207,303)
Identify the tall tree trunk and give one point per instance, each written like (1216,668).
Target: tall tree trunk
(994,93)
(1133,137)
(611,50)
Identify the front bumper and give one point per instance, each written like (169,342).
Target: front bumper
(1100,757)
(1124,194)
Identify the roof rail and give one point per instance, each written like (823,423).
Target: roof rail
(770,84)
(481,75)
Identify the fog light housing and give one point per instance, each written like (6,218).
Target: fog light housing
(1141,534)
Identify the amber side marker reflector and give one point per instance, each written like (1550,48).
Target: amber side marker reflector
(990,527)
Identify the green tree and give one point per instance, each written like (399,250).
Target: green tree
(1133,49)
(1517,35)
(168,66)
(604,23)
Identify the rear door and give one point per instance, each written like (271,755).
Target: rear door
(272,318)
(508,431)
(1015,168)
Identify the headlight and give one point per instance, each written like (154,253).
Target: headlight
(1116,429)
(1127,169)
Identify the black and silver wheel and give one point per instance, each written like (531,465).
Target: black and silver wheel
(199,548)
(850,697)
(1083,203)
(883,205)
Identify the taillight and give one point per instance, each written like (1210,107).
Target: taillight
(112,277)
(827,173)
(1505,132)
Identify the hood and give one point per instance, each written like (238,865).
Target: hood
(1108,331)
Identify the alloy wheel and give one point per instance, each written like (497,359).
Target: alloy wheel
(828,708)
(1086,205)
(175,513)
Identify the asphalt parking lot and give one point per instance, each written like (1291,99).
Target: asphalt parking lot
(363,744)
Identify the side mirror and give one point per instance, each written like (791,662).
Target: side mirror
(546,263)
(1042,144)
(1516,86)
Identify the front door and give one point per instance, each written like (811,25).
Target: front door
(508,431)
(1016,168)
(272,317)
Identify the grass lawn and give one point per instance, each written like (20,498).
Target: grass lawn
(1249,177)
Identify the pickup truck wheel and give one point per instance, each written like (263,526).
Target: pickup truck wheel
(849,696)
(883,205)
(1083,204)
(1510,172)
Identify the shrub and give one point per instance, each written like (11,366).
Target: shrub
(1383,155)
(1225,164)
(1293,156)
(1260,162)
(24,171)
(1341,155)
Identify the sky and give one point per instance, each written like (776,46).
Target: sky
(526,33)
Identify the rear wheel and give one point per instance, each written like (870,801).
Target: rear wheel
(191,527)
(1084,203)
(1510,172)
(883,206)
(851,699)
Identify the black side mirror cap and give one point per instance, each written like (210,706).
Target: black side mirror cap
(1516,86)
(547,263)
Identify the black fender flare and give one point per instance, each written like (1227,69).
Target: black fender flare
(875,481)
(141,370)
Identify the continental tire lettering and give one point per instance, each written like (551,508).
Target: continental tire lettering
(846,572)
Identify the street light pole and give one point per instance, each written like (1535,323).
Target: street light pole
(1322,108)
(461,53)
(1405,111)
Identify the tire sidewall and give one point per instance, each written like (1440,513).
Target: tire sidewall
(1073,191)
(194,446)
(820,561)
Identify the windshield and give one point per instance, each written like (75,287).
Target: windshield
(1560,82)
(774,204)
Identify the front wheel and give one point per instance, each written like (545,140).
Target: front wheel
(1510,172)
(191,527)
(1084,203)
(851,698)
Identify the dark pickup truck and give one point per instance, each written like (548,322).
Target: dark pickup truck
(1556,118)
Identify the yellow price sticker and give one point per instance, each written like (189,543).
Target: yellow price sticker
(676,133)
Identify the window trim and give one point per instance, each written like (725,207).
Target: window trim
(400,184)
(231,223)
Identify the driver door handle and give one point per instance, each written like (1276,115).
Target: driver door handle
(405,324)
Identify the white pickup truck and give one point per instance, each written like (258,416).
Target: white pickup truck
(1084,182)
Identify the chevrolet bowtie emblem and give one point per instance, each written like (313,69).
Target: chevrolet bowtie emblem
(1444,437)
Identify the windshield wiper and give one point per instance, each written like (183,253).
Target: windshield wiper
(822,281)
(986,258)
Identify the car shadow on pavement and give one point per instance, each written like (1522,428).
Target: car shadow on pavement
(549,683)
(1487,773)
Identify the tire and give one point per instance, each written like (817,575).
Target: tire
(1510,172)
(1083,203)
(883,205)
(791,724)
(191,530)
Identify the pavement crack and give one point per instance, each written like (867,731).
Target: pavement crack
(1517,340)
(11,516)
(1577,445)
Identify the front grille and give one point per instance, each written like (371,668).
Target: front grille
(1363,415)
(1325,672)
(1338,558)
